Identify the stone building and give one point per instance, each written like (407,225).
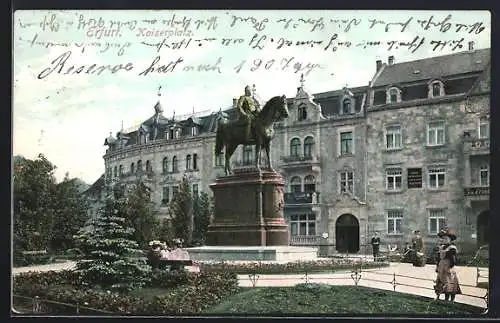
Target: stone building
(408,151)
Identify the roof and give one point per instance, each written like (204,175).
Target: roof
(96,187)
(434,67)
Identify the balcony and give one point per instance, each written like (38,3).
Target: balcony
(292,162)
(477,193)
(301,198)
(304,240)
(476,146)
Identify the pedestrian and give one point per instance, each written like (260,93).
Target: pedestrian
(447,280)
(375,246)
(417,242)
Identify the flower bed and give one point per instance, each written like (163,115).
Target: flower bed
(298,267)
(184,292)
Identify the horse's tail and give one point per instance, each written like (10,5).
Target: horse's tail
(218,140)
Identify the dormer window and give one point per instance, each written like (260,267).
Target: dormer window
(194,131)
(302,112)
(346,106)
(171,133)
(177,133)
(436,89)
(393,95)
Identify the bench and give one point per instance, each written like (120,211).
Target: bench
(34,252)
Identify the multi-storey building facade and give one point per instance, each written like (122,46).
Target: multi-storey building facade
(408,151)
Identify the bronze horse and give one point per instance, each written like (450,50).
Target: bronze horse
(232,134)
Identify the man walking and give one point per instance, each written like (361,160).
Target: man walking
(375,246)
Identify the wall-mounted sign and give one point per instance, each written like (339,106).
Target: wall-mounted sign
(476,191)
(414,178)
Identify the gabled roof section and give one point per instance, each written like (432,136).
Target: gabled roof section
(96,187)
(434,67)
(483,82)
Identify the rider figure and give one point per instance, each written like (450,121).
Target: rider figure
(248,107)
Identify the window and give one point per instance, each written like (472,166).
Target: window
(175,189)
(394,179)
(436,178)
(177,133)
(120,170)
(303,225)
(296,185)
(308,146)
(309,184)
(168,135)
(346,106)
(394,221)
(346,143)
(194,131)
(393,96)
(166,195)
(148,166)
(139,166)
(302,113)
(294,147)
(219,160)
(195,190)
(484,128)
(347,182)
(164,164)
(247,155)
(436,89)
(171,133)
(195,161)
(115,172)
(132,168)
(393,137)
(174,164)
(437,220)
(484,175)
(435,133)
(188,162)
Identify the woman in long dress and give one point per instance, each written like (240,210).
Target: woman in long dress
(447,280)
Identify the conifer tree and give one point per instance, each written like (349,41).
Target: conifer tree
(181,212)
(110,256)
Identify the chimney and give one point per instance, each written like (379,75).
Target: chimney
(471,45)
(391,60)
(234,102)
(379,65)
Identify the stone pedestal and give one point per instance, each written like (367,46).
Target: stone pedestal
(249,210)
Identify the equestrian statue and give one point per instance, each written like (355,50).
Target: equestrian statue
(253,127)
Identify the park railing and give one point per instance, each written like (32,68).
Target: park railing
(24,305)
(360,277)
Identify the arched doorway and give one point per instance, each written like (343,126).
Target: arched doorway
(347,234)
(483,222)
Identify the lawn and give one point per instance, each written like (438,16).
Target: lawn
(326,299)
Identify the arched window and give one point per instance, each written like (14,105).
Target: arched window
(165,165)
(188,162)
(393,95)
(309,184)
(120,170)
(139,166)
(148,166)
(195,161)
(436,89)
(174,164)
(302,113)
(132,168)
(294,147)
(308,146)
(247,155)
(296,184)
(115,172)
(346,106)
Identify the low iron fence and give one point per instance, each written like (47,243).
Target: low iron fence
(358,276)
(37,306)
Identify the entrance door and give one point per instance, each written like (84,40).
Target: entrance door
(483,222)
(347,234)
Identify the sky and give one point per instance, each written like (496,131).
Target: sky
(67,116)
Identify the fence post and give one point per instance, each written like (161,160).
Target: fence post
(77,308)
(36,303)
(394,282)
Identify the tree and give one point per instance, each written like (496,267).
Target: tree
(34,191)
(70,213)
(181,212)
(202,212)
(141,215)
(109,254)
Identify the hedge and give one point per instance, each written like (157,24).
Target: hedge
(298,267)
(184,292)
